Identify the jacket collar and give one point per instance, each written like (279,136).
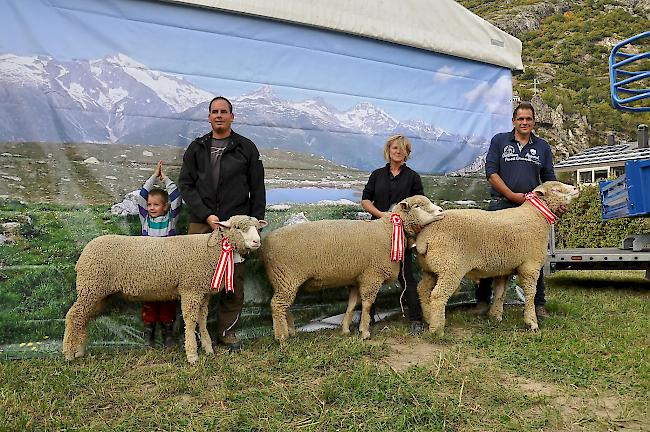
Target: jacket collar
(206,140)
(532,140)
(401,168)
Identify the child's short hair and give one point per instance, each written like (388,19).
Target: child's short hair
(161,193)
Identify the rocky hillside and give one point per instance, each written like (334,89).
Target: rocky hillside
(566,46)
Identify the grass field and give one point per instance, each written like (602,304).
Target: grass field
(587,370)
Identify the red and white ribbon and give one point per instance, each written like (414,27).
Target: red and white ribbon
(396,238)
(542,207)
(225,267)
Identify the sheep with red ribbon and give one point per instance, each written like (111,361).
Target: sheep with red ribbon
(337,253)
(478,244)
(189,267)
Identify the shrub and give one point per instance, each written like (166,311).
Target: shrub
(582,226)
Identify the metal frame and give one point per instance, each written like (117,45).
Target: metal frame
(621,80)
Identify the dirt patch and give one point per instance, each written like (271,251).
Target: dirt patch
(579,409)
(415,353)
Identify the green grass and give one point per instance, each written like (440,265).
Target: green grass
(586,370)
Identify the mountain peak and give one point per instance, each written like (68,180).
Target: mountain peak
(264,92)
(123,60)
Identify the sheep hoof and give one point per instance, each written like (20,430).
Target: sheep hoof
(534,327)
(437,331)
(496,316)
(345,332)
(79,353)
(209,350)
(365,335)
(191,359)
(292,332)
(280,335)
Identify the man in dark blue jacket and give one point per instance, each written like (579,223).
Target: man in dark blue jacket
(222,176)
(516,163)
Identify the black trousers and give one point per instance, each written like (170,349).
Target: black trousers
(408,282)
(484,288)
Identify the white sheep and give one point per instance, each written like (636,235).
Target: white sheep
(479,244)
(154,268)
(337,253)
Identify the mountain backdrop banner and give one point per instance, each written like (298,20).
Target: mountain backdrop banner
(142,72)
(118,75)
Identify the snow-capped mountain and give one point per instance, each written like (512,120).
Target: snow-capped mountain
(173,90)
(475,168)
(117,99)
(94,101)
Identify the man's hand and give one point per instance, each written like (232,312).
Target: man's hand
(562,209)
(517,198)
(212,221)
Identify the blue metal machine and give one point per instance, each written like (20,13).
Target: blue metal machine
(629,194)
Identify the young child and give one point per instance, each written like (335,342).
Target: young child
(159,210)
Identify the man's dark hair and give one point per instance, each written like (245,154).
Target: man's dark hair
(523,105)
(220,98)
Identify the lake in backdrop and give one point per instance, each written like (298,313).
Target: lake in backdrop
(306,195)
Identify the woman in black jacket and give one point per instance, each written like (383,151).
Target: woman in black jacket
(386,187)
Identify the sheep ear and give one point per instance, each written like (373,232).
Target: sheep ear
(421,247)
(225,224)
(404,205)
(214,239)
(538,192)
(261,224)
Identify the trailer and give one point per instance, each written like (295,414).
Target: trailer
(626,196)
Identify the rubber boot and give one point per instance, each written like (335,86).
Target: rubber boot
(168,335)
(150,334)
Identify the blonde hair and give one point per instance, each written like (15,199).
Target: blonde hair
(404,144)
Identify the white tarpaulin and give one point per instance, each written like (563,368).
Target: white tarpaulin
(441,26)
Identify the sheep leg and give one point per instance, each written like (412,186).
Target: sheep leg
(190,306)
(291,328)
(76,321)
(206,341)
(280,303)
(528,280)
(496,310)
(353,300)
(368,289)
(446,285)
(425,286)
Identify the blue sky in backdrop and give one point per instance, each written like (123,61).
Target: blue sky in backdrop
(232,55)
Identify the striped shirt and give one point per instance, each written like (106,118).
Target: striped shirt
(159,226)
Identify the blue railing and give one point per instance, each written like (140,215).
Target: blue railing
(625,84)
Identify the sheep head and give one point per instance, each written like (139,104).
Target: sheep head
(242,232)
(416,212)
(556,194)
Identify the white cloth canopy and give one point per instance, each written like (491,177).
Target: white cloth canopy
(441,26)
